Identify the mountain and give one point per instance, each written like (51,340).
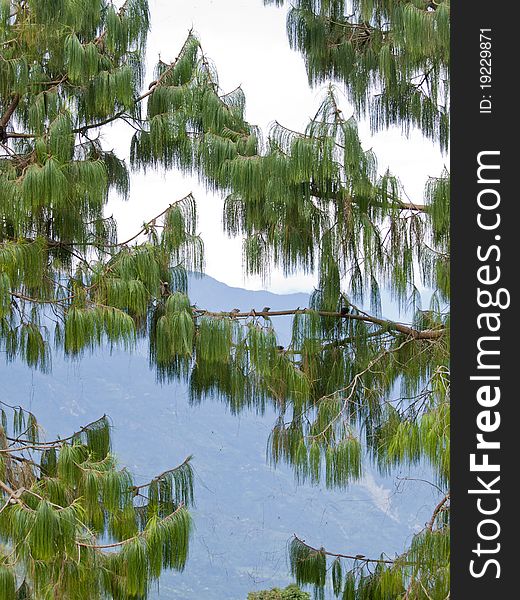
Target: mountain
(246,511)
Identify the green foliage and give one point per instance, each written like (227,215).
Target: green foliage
(307,200)
(399,48)
(291,592)
(392,59)
(66,71)
(350,386)
(421,572)
(75,525)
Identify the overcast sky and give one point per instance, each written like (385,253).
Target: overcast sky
(248,44)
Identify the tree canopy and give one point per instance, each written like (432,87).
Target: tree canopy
(74,525)
(352,386)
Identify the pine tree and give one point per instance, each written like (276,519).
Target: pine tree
(73,525)
(391,55)
(392,59)
(310,201)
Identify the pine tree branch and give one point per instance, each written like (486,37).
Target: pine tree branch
(13,495)
(97,41)
(27,461)
(358,557)
(147,225)
(348,340)
(155,84)
(140,535)
(84,128)
(387,325)
(103,34)
(30,446)
(54,301)
(4,119)
(400,204)
(46,445)
(422,480)
(441,506)
(425,334)
(62,301)
(352,386)
(136,488)
(23,136)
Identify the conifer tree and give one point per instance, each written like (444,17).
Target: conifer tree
(73,525)
(392,59)
(310,201)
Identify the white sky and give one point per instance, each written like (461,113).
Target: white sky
(248,44)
